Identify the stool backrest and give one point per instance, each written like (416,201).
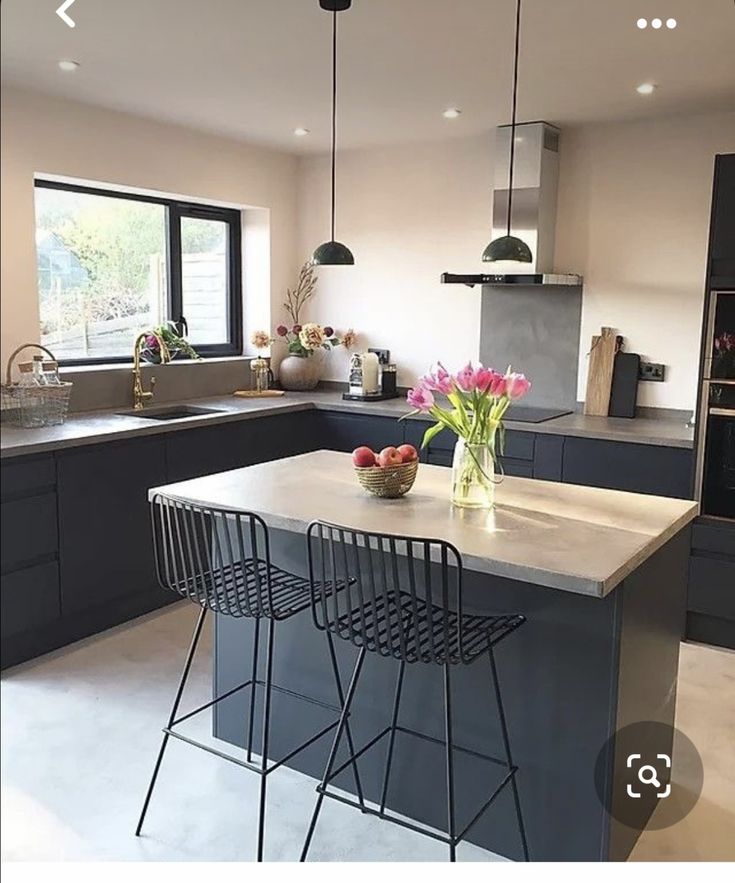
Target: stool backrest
(398,596)
(219,558)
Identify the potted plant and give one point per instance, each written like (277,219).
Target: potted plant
(176,344)
(478,399)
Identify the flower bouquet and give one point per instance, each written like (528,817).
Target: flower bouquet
(723,356)
(305,340)
(175,343)
(478,399)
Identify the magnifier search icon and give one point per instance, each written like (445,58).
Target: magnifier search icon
(651,779)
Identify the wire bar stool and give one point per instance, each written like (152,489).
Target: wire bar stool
(220,559)
(402,599)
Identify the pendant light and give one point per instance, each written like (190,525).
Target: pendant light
(334,253)
(511,248)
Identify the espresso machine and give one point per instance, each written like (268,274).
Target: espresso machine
(372,377)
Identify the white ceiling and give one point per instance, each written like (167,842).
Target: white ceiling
(256,69)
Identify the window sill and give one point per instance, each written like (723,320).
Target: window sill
(128,366)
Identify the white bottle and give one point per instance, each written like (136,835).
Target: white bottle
(370,373)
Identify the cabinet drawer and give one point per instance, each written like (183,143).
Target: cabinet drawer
(27,476)
(712,586)
(345,432)
(710,537)
(519,468)
(29,530)
(518,445)
(30,599)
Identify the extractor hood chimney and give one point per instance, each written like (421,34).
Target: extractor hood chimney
(536,181)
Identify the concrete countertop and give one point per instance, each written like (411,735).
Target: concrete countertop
(99,426)
(540,532)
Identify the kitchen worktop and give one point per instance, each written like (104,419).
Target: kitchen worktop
(99,426)
(540,532)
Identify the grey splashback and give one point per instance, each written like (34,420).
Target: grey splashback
(536,330)
(97,388)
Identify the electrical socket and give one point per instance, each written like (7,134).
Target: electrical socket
(652,371)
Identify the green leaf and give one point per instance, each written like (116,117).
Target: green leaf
(430,434)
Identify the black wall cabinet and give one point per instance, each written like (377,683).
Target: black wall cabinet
(722,234)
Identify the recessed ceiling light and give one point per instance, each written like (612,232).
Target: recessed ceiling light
(68,65)
(656,23)
(301,132)
(451,113)
(646,89)
(642,23)
(671,23)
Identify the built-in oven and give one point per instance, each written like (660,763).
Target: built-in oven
(716,425)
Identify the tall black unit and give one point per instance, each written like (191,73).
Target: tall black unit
(711,608)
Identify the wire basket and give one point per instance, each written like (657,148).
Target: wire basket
(33,406)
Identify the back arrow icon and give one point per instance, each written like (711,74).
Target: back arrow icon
(61,12)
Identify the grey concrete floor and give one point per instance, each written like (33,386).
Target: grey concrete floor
(80,732)
(81,727)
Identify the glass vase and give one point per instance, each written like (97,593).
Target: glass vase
(473,476)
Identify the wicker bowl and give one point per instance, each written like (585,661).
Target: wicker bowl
(388,481)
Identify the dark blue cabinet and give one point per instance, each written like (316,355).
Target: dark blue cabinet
(345,432)
(622,466)
(106,554)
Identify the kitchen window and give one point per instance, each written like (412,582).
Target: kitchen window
(112,264)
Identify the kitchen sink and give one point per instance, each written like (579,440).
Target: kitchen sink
(173,412)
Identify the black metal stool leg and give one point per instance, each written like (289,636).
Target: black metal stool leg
(333,751)
(450,761)
(506,743)
(253,687)
(341,697)
(172,716)
(392,737)
(266,733)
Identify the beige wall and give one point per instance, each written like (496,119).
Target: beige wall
(52,136)
(633,219)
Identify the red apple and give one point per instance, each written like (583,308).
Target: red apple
(363,457)
(389,457)
(408,453)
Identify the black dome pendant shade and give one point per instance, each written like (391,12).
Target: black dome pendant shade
(507,248)
(334,253)
(511,248)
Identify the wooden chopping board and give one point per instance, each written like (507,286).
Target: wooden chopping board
(600,374)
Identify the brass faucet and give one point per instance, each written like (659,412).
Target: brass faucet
(140,396)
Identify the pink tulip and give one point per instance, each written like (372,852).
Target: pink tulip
(465,378)
(421,398)
(516,385)
(439,380)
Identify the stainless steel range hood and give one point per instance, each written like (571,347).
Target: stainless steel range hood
(534,208)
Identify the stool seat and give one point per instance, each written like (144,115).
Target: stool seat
(237,590)
(408,628)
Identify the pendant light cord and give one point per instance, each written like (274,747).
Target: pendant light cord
(334,120)
(514,114)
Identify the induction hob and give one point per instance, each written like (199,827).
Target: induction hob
(535,415)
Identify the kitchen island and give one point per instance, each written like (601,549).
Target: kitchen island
(600,576)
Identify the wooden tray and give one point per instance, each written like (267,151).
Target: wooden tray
(254,394)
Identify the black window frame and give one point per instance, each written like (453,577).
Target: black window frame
(177,209)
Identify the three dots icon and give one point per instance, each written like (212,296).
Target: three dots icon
(656,23)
